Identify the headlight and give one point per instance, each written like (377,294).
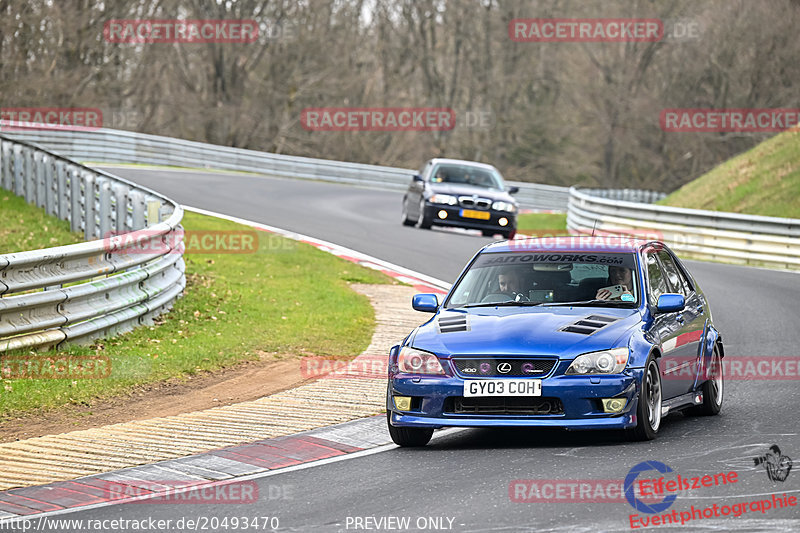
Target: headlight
(448,199)
(504,206)
(413,361)
(605,362)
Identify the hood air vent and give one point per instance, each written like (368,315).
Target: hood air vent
(452,324)
(590,324)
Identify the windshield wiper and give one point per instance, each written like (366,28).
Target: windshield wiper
(508,303)
(587,303)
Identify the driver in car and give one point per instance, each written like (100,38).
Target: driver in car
(617,276)
(510,283)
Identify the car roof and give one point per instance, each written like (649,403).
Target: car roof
(438,160)
(572,243)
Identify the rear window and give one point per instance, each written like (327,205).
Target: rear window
(548,278)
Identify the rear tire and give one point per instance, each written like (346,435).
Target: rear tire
(649,400)
(408,437)
(404,216)
(423,222)
(713,388)
(509,234)
(487,232)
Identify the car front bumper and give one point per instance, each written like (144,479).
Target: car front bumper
(578,395)
(454,218)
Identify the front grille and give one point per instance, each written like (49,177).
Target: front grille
(488,367)
(503,405)
(473,203)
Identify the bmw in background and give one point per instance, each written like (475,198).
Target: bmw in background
(568,332)
(466,194)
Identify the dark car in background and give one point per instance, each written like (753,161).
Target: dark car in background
(465,194)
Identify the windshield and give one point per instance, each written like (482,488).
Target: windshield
(467,175)
(520,278)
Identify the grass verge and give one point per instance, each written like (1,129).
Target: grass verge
(26,227)
(286,298)
(765,180)
(542,224)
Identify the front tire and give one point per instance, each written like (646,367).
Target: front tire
(423,222)
(408,437)
(404,216)
(649,400)
(713,388)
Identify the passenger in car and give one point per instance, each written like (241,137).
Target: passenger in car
(616,276)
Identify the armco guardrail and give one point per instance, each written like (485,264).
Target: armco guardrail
(712,235)
(131,272)
(115,146)
(628,195)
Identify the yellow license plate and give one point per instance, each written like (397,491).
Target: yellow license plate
(470,213)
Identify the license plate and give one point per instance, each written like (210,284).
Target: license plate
(471,213)
(502,387)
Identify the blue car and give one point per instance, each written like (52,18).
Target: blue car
(576,333)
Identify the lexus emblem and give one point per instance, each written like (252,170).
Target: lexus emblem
(504,368)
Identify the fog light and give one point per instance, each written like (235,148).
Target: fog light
(402,403)
(503,221)
(614,405)
(442,214)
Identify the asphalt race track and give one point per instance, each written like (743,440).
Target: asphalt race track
(461,481)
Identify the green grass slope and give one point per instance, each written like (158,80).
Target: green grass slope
(765,180)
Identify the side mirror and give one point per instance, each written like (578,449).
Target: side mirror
(417,177)
(427,303)
(513,190)
(670,303)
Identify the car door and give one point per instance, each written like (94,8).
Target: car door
(666,329)
(692,319)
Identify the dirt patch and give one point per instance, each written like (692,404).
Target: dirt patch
(249,380)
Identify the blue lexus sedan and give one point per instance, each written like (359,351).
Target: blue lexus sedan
(567,332)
